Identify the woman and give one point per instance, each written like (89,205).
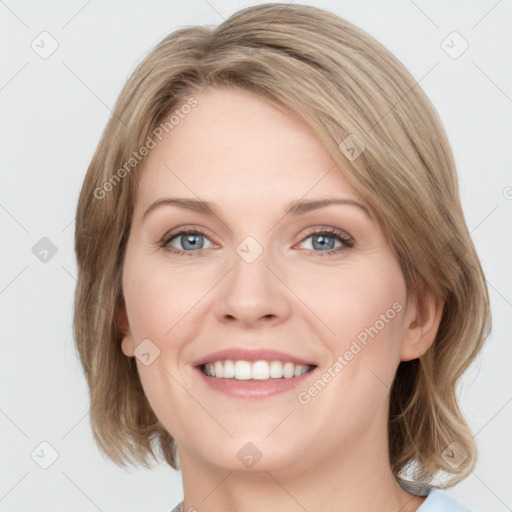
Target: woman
(276,282)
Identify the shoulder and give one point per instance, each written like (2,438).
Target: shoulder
(440,501)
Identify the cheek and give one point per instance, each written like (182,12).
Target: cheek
(159,297)
(163,304)
(360,300)
(159,302)
(364,307)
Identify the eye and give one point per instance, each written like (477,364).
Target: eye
(188,241)
(323,241)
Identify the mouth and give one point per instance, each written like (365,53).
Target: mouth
(252,373)
(242,370)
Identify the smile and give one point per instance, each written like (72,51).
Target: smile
(257,370)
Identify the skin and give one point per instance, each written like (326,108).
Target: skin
(250,160)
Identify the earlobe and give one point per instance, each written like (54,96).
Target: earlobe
(127,344)
(423,316)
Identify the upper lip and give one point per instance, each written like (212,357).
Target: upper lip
(245,354)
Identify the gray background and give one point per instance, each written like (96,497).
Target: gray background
(53,111)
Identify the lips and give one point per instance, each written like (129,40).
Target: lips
(253,373)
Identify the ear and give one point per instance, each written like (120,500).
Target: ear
(127,344)
(423,316)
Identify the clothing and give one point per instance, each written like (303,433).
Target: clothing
(437,501)
(440,501)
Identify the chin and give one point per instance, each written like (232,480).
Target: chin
(253,455)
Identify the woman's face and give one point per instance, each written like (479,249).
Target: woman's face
(316,284)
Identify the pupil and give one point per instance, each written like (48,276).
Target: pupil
(322,239)
(193,242)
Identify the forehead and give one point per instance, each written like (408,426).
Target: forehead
(235,145)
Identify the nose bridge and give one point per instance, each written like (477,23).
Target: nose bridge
(251,289)
(250,280)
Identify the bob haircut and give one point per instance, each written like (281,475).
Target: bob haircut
(333,76)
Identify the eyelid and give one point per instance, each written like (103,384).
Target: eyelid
(327,229)
(180,230)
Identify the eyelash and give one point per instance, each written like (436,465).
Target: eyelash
(346,240)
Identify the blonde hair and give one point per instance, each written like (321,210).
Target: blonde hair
(341,82)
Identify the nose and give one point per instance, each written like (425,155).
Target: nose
(253,294)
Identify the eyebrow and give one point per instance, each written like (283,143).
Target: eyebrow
(295,208)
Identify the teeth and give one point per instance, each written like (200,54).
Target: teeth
(289,370)
(276,369)
(229,370)
(259,370)
(242,370)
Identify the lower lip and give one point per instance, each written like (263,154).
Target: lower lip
(253,388)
